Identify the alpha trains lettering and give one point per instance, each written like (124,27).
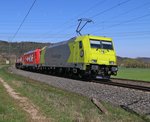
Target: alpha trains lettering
(83,56)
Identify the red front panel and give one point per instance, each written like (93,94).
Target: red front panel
(37,53)
(32,57)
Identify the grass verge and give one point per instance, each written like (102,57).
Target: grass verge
(63,106)
(9,111)
(134,74)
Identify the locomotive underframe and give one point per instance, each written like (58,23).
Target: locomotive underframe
(101,71)
(92,71)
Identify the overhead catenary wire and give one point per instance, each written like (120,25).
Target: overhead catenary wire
(19,27)
(124,13)
(69,27)
(132,33)
(22,22)
(89,9)
(127,21)
(92,7)
(106,10)
(102,12)
(77,16)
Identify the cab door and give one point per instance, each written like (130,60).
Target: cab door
(78,52)
(81,52)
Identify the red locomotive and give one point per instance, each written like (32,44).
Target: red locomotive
(29,59)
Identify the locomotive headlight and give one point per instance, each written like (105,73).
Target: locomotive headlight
(114,69)
(81,53)
(94,61)
(111,62)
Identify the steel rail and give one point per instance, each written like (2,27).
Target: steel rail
(124,79)
(125,85)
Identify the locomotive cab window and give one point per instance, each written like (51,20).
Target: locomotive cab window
(107,45)
(95,44)
(101,44)
(80,44)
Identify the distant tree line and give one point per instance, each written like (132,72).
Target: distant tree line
(133,63)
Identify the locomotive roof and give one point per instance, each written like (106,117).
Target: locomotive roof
(30,51)
(62,43)
(72,39)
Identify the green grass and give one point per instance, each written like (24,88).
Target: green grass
(63,106)
(134,73)
(9,111)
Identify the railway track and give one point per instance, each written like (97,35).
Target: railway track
(116,93)
(132,84)
(125,83)
(133,81)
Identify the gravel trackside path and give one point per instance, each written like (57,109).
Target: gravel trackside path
(137,101)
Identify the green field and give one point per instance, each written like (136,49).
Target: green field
(134,73)
(57,104)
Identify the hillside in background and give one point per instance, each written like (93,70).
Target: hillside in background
(145,59)
(18,48)
(133,62)
(15,49)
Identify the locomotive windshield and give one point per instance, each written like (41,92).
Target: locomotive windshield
(101,44)
(107,45)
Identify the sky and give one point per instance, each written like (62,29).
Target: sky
(126,21)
